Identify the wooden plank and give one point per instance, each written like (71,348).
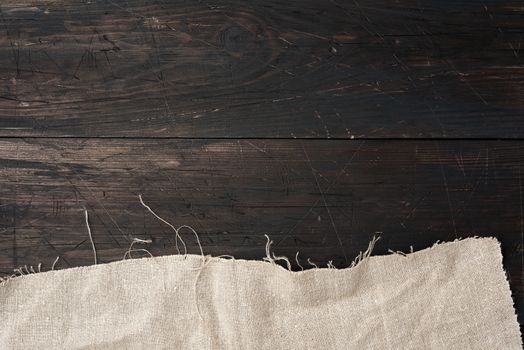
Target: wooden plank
(282,69)
(322,198)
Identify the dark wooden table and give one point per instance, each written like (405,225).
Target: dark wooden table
(316,122)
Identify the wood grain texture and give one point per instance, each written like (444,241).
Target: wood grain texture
(219,114)
(322,198)
(280,69)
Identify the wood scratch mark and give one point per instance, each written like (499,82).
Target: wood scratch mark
(126,236)
(460,163)
(240,151)
(27,224)
(477,159)
(82,58)
(416,206)
(515,50)
(326,206)
(160,76)
(444,179)
(255,147)
(15,52)
(521,216)
(313,35)
(15,245)
(487,166)
(460,75)
(331,185)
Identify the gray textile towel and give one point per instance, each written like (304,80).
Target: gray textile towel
(452,296)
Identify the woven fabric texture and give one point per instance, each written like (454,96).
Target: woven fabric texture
(452,296)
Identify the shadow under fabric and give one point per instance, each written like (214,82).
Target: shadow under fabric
(452,296)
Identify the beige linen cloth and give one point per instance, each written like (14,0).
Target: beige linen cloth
(451,296)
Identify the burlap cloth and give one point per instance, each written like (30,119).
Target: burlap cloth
(452,296)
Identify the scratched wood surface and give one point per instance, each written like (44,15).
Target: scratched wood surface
(324,198)
(319,123)
(304,68)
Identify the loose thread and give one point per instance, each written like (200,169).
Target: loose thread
(139,250)
(90,236)
(284,259)
(177,233)
(367,253)
(130,250)
(197,239)
(398,252)
(312,263)
(177,236)
(298,262)
(195,288)
(268,253)
(272,258)
(231,257)
(54,263)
